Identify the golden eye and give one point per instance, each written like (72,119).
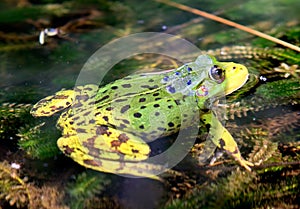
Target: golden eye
(217,74)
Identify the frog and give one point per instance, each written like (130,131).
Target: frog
(108,127)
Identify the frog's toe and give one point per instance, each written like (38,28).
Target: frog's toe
(246,164)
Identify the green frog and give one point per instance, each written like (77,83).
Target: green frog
(108,128)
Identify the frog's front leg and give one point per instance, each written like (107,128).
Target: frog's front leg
(223,139)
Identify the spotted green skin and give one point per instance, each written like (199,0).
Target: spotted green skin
(107,128)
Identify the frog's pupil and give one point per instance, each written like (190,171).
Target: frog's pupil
(189,82)
(219,71)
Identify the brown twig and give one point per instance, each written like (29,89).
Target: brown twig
(228,22)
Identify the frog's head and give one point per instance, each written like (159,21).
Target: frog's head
(231,76)
(222,78)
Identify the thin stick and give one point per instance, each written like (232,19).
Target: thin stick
(228,22)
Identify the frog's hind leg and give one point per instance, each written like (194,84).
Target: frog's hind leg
(223,139)
(52,104)
(63,99)
(95,154)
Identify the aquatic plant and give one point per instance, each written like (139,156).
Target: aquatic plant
(85,187)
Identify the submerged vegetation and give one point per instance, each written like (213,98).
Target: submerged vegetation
(263,116)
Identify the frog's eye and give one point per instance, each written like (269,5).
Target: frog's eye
(217,74)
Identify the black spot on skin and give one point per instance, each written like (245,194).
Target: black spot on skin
(151,80)
(126,121)
(156,105)
(170,124)
(122,126)
(87,113)
(156,99)
(101,130)
(155,94)
(157,114)
(80,130)
(68,150)
(120,100)
(143,107)
(129,94)
(177,101)
(171,89)
(145,86)
(90,142)
(76,118)
(92,163)
(111,126)
(127,85)
(77,105)
(170,106)
(161,129)
(141,126)
(105,118)
(135,151)
(125,108)
(60,97)
(80,124)
(155,87)
(92,121)
(123,138)
(109,108)
(137,115)
(142,99)
(102,99)
(114,87)
(68,103)
(222,143)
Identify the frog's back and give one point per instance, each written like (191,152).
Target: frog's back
(141,104)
